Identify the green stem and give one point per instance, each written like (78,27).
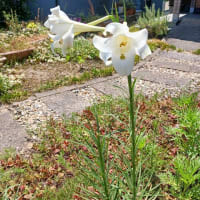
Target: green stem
(133,140)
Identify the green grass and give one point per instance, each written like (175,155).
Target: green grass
(167,159)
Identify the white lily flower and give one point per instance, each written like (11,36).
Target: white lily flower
(120,49)
(63,29)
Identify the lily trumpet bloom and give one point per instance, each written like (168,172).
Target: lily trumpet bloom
(120,49)
(63,29)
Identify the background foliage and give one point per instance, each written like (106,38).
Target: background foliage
(18,6)
(154,21)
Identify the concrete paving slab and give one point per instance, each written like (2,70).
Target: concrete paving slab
(65,103)
(72,87)
(112,87)
(11,133)
(164,63)
(163,78)
(183,57)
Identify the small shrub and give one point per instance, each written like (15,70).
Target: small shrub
(155,22)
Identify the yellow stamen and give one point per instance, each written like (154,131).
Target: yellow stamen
(123,44)
(122,57)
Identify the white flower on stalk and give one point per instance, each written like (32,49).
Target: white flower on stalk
(63,29)
(120,49)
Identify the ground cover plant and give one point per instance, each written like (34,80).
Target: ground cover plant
(57,167)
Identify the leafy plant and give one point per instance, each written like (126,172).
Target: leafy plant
(108,172)
(185,181)
(4,85)
(9,89)
(81,51)
(188,132)
(154,21)
(114,12)
(12,21)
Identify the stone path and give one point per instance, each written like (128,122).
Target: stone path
(167,72)
(186,35)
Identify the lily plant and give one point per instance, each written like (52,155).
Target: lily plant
(64,29)
(119,50)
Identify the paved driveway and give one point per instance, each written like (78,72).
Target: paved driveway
(186,35)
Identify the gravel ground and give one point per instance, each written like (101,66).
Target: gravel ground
(32,113)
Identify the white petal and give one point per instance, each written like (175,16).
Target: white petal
(55,11)
(59,28)
(102,44)
(123,66)
(116,28)
(140,42)
(106,57)
(145,52)
(68,39)
(64,16)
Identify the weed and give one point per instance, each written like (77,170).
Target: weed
(197,52)
(12,21)
(155,44)
(180,50)
(185,179)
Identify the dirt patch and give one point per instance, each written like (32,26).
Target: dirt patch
(21,42)
(37,74)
